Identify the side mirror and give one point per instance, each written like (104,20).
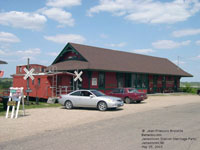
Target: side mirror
(91,96)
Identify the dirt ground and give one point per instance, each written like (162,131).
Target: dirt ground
(43,120)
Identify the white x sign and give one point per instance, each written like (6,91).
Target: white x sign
(29,74)
(78,75)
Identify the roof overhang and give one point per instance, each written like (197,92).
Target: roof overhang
(3,62)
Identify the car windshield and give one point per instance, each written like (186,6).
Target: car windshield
(132,91)
(98,93)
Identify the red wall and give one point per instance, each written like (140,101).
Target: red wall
(43,90)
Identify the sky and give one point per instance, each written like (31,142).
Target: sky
(40,29)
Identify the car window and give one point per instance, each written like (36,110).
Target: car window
(78,93)
(116,91)
(132,91)
(98,93)
(85,93)
(122,91)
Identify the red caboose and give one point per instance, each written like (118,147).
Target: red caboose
(45,84)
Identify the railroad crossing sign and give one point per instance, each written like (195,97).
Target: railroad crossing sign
(78,75)
(29,74)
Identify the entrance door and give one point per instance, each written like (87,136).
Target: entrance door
(163,83)
(155,79)
(128,80)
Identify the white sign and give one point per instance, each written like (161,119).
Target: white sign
(94,81)
(78,75)
(29,74)
(16,95)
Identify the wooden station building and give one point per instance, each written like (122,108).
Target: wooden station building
(103,69)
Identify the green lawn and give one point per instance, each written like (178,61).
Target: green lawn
(31,106)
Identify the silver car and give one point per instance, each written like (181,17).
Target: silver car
(90,98)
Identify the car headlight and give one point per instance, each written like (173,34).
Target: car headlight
(111,101)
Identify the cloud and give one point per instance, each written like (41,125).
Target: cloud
(179,62)
(52,54)
(103,36)
(24,20)
(198,42)
(63,3)
(186,32)
(6,37)
(59,15)
(122,44)
(168,44)
(2,52)
(29,52)
(143,51)
(148,11)
(65,38)
(198,56)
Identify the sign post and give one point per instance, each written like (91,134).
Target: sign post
(26,77)
(15,97)
(78,77)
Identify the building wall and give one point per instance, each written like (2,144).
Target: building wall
(155,83)
(37,68)
(41,90)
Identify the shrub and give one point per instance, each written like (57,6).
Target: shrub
(189,89)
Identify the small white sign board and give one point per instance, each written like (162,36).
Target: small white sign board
(15,97)
(29,74)
(94,81)
(78,76)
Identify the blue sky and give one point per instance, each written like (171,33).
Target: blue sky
(40,29)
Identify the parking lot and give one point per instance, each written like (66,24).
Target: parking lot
(47,119)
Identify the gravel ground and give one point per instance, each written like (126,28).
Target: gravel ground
(46,119)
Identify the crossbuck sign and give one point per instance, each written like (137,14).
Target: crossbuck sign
(29,74)
(78,75)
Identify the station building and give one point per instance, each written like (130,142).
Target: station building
(105,69)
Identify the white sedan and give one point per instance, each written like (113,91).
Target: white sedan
(89,98)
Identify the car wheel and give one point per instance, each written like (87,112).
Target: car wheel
(127,100)
(138,101)
(102,106)
(68,105)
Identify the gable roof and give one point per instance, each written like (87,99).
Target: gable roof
(3,62)
(112,60)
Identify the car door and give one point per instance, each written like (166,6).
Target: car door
(74,98)
(85,100)
(118,93)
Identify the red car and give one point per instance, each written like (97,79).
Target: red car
(129,95)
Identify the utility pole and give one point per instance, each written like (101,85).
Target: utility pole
(178,61)
(28,82)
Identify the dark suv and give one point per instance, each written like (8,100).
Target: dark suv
(198,92)
(129,95)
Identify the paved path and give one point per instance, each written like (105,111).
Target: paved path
(180,123)
(40,121)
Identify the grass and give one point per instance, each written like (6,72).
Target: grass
(32,105)
(171,94)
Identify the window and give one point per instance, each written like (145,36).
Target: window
(120,80)
(20,69)
(134,80)
(116,91)
(77,93)
(98,93)
(144,81)
(128,80)
(101,82)
(122,91)
(132,91)
(39,81)
(85,93)
(139,81)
